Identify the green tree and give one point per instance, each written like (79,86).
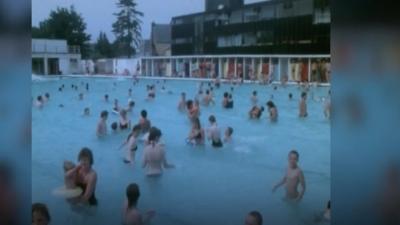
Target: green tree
(127,28)
(103,48)
(64,23)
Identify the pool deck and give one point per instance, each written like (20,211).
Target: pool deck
(167,78)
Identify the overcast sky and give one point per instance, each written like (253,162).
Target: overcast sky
(98,14)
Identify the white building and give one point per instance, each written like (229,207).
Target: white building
(51,56)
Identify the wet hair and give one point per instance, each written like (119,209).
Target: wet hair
(86,109)
(103,114)
(254,92)
(212,119)
(47,95)
(154,133)
(211,88)
(290,95)
(143,113)
(59,89)
(39,98)
(42,209)
(106,96)
(270,104)
(262,109)
(275,87)
(303,94)
(225,94)
(131,103)
(86,153)
(294,152)
(114,126)
(257,215)
(230,131)
(189,103)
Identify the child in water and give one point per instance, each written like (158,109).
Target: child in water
(293,178)
(70,190)
(255,112)
(131,144)
(228,134)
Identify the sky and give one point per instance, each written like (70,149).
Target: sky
(98,14)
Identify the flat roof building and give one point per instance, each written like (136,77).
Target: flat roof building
(268,27)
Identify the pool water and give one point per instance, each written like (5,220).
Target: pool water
(207,186)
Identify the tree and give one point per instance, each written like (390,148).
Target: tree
(65,23)
(127,28)
(103,48)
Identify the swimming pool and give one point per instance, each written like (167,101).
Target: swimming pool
(207,186)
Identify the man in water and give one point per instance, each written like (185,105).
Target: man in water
(303,105)
(101,125)
(293,178)
(131,214)
(214,133)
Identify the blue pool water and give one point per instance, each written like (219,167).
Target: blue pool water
(207,186)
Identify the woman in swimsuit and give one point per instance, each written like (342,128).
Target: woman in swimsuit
(86,177)
(196,135)
(131,144)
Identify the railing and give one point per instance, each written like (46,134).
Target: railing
(265,68)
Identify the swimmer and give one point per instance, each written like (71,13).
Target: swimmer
(80,96)
(124,122)
(327,106)
(131,215)
(214,133)
(131,104)
(253,218)
(207,98)
(199,95)
(225,100)
(144,123)
(273,111)
(61,105)
(254,98)
(182,102)
(101,125)
(86,111)
(151,93)
(228,134)
(130,92)
(70,176)
(303,105)
(131,144)
(230,102)
(217,82)
(39,102)
(193,111)
(60,89)
(116,106)
(154,158)
(196,135)
(106,98)
(46,97)
(87,86)
(293,178)
(114,127)
(290,96)
(40,214)
(255,112)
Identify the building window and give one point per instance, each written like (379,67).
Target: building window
(182,40)
(230,41)
(288,5)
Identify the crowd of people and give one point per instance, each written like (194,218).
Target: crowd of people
(80,180)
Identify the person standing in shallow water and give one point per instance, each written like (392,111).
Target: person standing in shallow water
(303,105)
(214,133)
(86,178)
(130,213)
(293,178)
(102,125)
(154,159)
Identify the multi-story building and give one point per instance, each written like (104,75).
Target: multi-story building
(268,27)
